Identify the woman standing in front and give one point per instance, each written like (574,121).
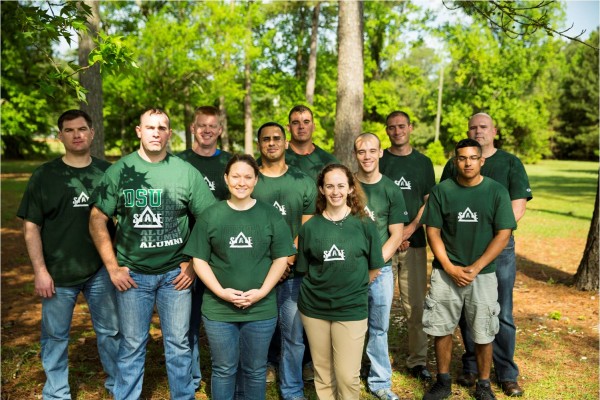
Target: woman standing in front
(240,249)
(340,253)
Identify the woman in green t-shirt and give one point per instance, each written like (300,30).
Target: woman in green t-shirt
(340,253)
(240,248)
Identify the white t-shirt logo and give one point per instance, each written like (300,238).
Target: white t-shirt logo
(467,216)
(81,200)
(211,184)
(334,254)
(370,213)
(403,183)
(147,219)
(240,241)
(280,207)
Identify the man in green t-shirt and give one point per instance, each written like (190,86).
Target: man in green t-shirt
(386,207)
(412,172)
(151,193)
(509,171)
(469,221)
(302,153)
(210,161)
(55,212)
(293,194)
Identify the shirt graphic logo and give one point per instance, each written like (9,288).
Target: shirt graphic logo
(147,219)
(334,254)
(211,184)
(280,207)
(467,216)
(240,241)
(81,200)
(370,213)
(403,183)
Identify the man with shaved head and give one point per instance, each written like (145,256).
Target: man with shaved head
(508,170)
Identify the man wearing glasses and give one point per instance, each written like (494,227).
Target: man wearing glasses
(469,221)
(508,170)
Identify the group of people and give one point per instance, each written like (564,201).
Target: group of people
(290,258)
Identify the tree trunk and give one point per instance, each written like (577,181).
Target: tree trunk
(225,134)
(586,277)
(91,80)
(248,136)
(188,118)
(312,58)
(350,83)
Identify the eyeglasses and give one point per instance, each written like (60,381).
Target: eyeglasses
(463,158)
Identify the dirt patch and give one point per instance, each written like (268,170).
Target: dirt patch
(545,304)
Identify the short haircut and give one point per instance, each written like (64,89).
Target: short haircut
(396,114)
(300,109)
(155,111)
(207,110)
(481,114)
(467,143)
(366,135)
(266,125)
(70,115)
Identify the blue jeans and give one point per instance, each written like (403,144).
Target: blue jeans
(57,313)
(292,342)
(194,335)
(243,344)
(504,343)
(381,294)
(135,313)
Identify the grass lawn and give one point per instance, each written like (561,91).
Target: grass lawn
(557,336)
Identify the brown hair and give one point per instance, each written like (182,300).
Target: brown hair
(356,199)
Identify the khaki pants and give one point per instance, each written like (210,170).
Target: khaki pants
(411,267)
(336,348)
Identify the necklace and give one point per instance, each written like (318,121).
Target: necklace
(339,222)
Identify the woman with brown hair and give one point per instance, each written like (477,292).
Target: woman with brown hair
(340,254)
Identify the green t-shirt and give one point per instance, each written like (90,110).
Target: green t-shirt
(292,194)
(504,168)
(212,169)
(311,164)
(415,176)
(151,202)
(57,200)
(240,247)
(468,218)
(336,260)
(385,206)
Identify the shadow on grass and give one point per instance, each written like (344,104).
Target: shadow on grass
(564,214)
(543,273)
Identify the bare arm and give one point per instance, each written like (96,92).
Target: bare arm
(99,231)
(519,206)
(458,274)
(492,251)
(44,284)
(277,269)
(391,245)
(207,276)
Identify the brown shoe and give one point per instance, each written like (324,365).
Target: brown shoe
(511,389)
(467,379)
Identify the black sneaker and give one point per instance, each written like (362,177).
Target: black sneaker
(483,391)
(421,373)
(439,391)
